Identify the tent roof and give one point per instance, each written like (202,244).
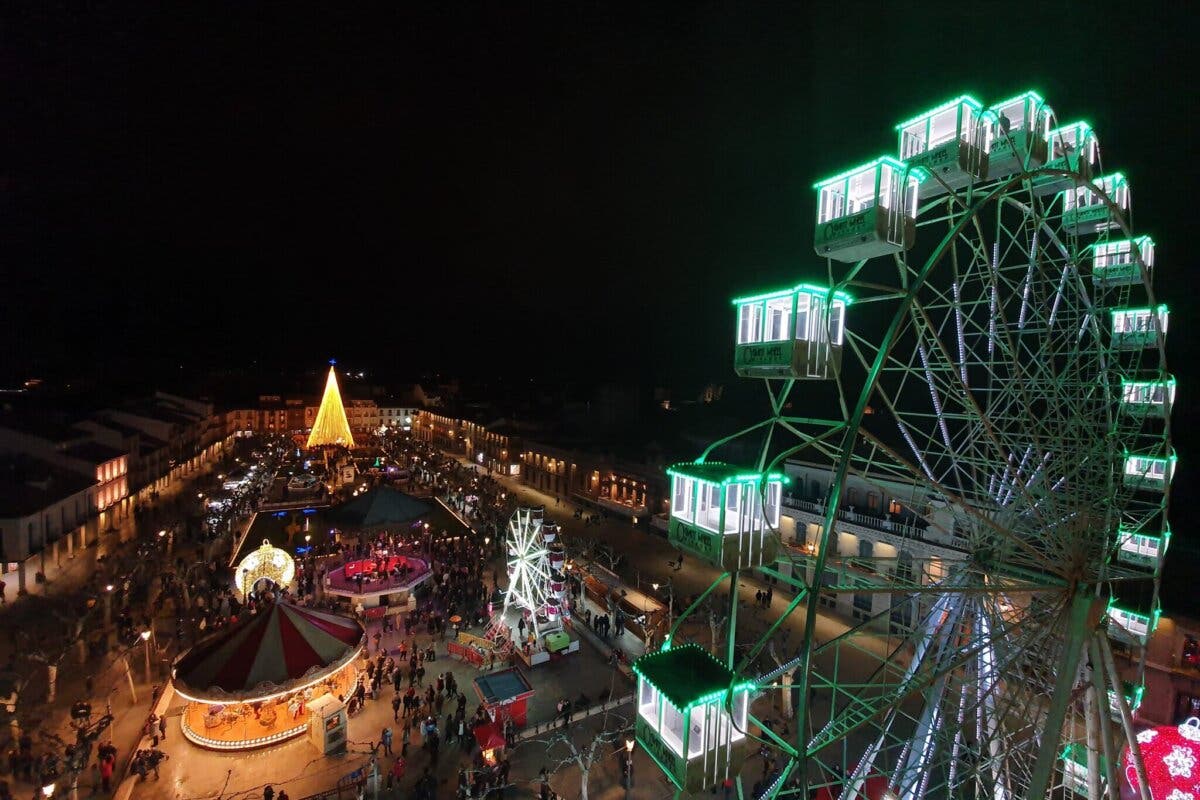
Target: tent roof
(489,736)
(377,508)
(275,650)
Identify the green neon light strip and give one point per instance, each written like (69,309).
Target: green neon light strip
(1150,620)
(1161,540)
(1028,94)
(1081,128)
(1116,179)
(1140,241)
(1168,383)
(808,288)
(961,99)
(751,477)
(870,165)
(1153,460)
(1161,309)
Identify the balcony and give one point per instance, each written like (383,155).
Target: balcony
(908,527)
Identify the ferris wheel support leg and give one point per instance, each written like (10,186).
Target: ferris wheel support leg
(1077,632)
(1114,679)
(730,648)
(1102,730)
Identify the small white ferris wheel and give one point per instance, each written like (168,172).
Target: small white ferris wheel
(535,582)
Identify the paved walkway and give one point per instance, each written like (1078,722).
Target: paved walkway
(41,622)
(648,557)
(193,773)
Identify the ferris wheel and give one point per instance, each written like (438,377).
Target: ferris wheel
(969,425)
(536,586)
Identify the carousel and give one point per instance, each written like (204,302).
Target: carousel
(252,685)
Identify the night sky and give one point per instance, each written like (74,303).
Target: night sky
(544,189)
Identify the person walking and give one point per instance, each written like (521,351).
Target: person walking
(268,792)
(106,772)
(162,727)
(386,739)
(396,706)
(404,734)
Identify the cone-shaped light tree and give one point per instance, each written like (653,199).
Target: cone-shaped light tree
(331,426)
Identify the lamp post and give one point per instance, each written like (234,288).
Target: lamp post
(48,790)
(670,599)
(146,641)
(627,778)
(108,593)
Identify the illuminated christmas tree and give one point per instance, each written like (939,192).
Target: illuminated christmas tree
(331,426)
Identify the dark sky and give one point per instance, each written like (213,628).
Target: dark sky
(547,188)
(553,189)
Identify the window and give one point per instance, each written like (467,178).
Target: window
(837,322)
(778,312)
(699,719)
(708,512)
(1191,651)
(866,548)
(647,701)
(872,501)
(862,190)
(802,303)
(681,504)
(862,605)
(739,714)
(671,729)
(902,614)
(943,127)
(774,491)
(733,498)
(912,140)
(750,318)
(828,598)
(833,203)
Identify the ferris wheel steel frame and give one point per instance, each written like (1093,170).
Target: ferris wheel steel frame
(974,632)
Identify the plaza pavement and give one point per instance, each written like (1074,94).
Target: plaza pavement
(37,616)
(193,773)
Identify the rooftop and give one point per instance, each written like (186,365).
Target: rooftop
(50,425)
(685,675)
(94,452)
(28,485)
(719,472)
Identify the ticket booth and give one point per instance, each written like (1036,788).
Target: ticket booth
(504,694)
(327,724)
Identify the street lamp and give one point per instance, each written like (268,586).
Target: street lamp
(146,641)
(48,790)
(670,599)
(628,767)
(108,593)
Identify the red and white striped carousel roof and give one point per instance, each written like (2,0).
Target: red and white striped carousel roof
(276,649)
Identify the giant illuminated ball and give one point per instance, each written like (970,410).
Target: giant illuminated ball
(265,562)
(1172,757)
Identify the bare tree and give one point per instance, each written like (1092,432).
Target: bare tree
(716,621)
(578,744)
(785,680)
